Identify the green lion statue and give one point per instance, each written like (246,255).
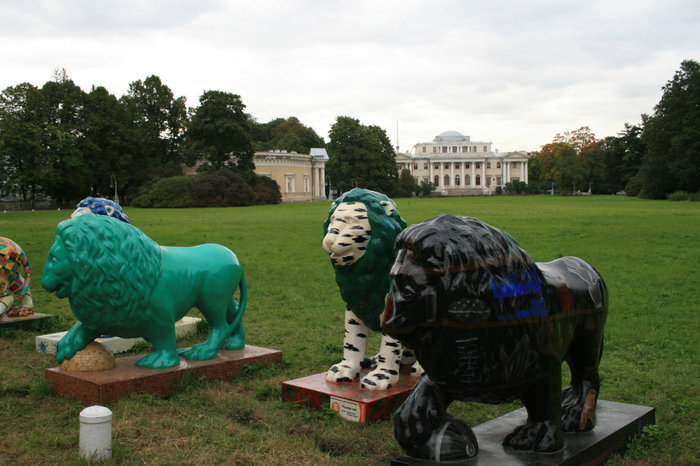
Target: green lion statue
(120,282)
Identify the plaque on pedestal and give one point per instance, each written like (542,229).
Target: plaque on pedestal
(616,424)
(347,399)
(100,387)
(30,322)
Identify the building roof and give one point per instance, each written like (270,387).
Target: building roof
(319,153)
(449,135)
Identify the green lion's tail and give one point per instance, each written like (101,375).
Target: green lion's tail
(234,316)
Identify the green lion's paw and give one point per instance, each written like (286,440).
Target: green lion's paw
(159,360)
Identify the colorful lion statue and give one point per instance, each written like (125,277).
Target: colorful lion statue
(15,297)
(490,325)
(100,206)
(360,232)
(120,282)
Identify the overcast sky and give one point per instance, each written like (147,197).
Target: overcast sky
(511,72)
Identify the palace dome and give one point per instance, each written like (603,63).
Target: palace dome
(450,136)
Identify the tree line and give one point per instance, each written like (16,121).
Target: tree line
(654,159)
(64,143)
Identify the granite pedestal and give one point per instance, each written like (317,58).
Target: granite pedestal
(347,399)
(100,387)
(31,322)
(616,424)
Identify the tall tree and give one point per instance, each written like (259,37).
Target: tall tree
(672,136)
(108,144)
(68,173)
(289,134)
(360,155)
(219,132)
(22,155)
(159,119)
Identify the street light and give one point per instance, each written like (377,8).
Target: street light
(113,181)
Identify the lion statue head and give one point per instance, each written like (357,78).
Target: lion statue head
(359,236)
(460,269)
(100,206)
(103,265)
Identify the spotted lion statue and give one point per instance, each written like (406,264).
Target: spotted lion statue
(359,237)
(490,325)
(120,282)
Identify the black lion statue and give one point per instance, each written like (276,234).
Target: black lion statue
(490,325)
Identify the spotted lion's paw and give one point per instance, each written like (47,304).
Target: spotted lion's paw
(417,370)
(380,379)
(342,372)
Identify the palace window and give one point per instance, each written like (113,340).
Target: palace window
(498,164)
(478,180)
(446,165)
(290,183)
(436,181)
(415,166)
(457,180)
(514,164)
(436,166)
(468,165)
(488,164)
(434,149)
(465,149)
(478,164)
(447,180)
(454,149)
(307,184)
(467,180)
(423,149)
(425,166)
(486,148)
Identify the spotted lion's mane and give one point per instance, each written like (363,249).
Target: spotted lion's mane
(114,266)
(364,284)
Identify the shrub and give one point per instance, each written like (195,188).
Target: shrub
(267,191)
(678,196)
(167,192)
(221,188)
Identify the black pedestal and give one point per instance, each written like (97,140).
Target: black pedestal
(616,423)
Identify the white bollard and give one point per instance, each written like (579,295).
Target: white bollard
(96,433)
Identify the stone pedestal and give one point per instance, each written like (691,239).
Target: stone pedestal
(348,399)
(98,388)
(47,343)
(616,424)
(32,322)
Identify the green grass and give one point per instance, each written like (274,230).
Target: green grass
(647,251)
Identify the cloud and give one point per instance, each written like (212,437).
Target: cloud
(514,73)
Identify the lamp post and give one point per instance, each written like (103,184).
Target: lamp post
(113,181)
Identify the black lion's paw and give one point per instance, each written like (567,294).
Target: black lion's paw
(453,441)
(578,407)
(536,436)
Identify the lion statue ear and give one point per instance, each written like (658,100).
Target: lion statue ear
(389,207)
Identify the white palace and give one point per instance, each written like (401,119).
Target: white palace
(456,165)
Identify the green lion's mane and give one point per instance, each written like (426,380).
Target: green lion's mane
(364,284)
(114,266)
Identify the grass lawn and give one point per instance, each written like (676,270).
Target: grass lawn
(648,252)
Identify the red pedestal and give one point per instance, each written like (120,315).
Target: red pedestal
(102,387)
(348,399)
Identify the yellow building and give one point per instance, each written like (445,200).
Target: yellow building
(456,165)
(301,177)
